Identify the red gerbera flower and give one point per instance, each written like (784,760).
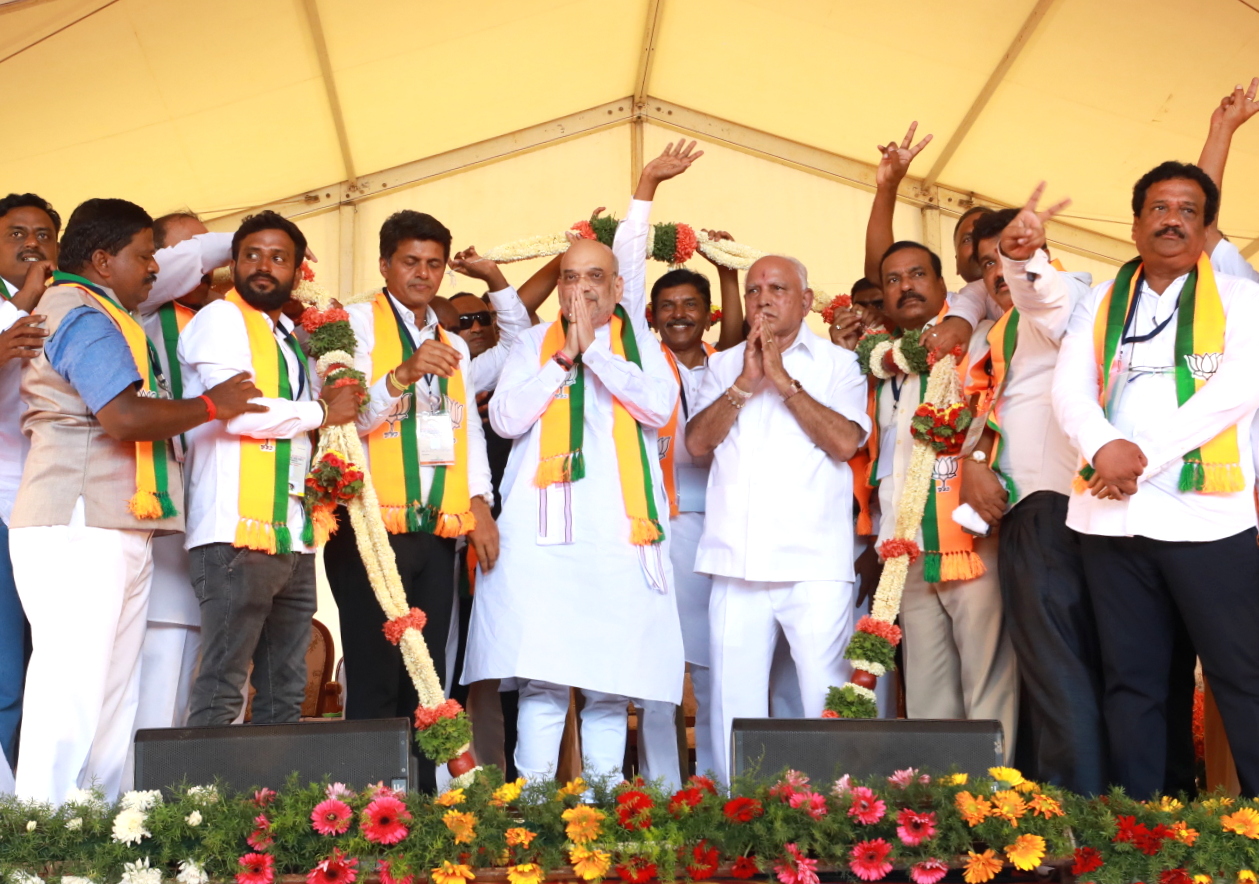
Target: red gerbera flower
(814,804)
(636,871)
(384,871)
(335,869)
(260,838)
(685,798)
(868,860)
(929,871)
(704,861)
(744,867)
(383,820)
(1150,841)
(256,868)
(702,782)
(913,828)
(633,810)
(1087,859)
(331,817)
(867,807)
(742,810)
(1127,828)
(1175,876)
(263,797)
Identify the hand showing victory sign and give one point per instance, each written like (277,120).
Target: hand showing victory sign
(896,158)
(1026,233)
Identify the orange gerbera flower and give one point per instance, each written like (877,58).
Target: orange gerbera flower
(450,873)
(450,799)
(1243,821)
(572,787)
(463,825)
(973,810)
(1009,806)
(1045,806)
(589,864)
(507,793)
(584,823)
(1184,834)
(1026,852)
(518,837)
(981,867)
(526,873)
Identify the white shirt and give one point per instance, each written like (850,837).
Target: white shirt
(13,442)
(513,321)
(213,348)
(181,266)
(779,507)
(1036,453)
(1226,258)
(973,303)
(385,406)
(1148,414)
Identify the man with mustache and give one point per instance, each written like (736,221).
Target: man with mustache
(1019,474)
(28,254)
(1155,387)
(252,561)
(779,416)
(99,483)
(958,659)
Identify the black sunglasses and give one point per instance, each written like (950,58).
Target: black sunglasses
(482,316)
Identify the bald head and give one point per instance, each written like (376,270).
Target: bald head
(172,229)
(779,260)
(589,270)
(589,252)
(777,289)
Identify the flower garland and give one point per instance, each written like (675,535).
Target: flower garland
(872,649)
(673,244)
(829,308)
(885,356)
(788,829)
(443,729)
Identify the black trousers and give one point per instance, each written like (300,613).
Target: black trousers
(1050,621)
(378,685)
(1143,591)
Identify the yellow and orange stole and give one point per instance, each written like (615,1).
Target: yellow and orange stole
(394,451)
(669,434)
(563,426)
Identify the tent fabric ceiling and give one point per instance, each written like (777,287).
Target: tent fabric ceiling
(218,106)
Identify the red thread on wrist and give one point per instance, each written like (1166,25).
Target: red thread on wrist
(211,410)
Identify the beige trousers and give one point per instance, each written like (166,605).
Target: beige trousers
(958,659)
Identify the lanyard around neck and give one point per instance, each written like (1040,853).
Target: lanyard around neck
(1132,312)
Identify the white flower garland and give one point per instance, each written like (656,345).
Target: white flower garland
(722,251)
(877,352)
(878,670)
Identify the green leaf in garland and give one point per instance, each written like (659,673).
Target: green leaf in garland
(665,243)
(604,227)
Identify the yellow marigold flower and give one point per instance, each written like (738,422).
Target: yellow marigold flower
(1026,852)
(1006,775)
(1201,879)
(1246,876)
(1169,804)
(463,825)
(973,810)
(589,865)
(450,799)
(450,873)
(1045,806)
(572,787)
(1243,821)
(980,867)
(584,823)
(957,779)
(1214,804)
(1183,833)
(507,793)
(1027,786)
(526,873)
(518,837)
(1008,806)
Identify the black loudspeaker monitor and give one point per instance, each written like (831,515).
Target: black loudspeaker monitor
(247,756)
(827,748)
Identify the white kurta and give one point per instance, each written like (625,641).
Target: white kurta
(580,613)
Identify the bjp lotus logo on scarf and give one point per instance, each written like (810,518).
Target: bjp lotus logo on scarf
(456,412)
(663,444)
(1203,365)
(945,469)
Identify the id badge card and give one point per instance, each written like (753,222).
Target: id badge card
(299,465)
(437,439)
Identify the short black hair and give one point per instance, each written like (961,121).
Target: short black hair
(901,245)
(682,276)
(409,224)
(992,223)
(33,201)
(160,225)
(108,224)
(973,210)
(269,220)
(862,284)
(1172,169)
(458,295)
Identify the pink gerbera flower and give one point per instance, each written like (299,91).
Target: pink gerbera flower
(867,807)
(383,820)
(335,869)
(868,860)
(929,871)
(797,868)
(384,870)
(338,790)
(903,778)
(260,838)
(813,803)
(263,797)
(256,868)
(789,785)
(843,785)
(331,817)
(913,828)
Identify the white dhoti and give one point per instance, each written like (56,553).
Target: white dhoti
(816,617)
(172,639)
(86,593)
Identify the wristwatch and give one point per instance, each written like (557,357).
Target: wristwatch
(978,456)
(796,387)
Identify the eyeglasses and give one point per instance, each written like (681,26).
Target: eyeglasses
(466,320)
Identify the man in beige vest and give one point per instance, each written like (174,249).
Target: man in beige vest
(99,483)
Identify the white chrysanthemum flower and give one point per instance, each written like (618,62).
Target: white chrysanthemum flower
(190,872)
(193,819)
(203,794)
(75,824)
(76,879)
(129,827)
(30,825)
(139,872)
(140,800)
(24,878)
(86,798)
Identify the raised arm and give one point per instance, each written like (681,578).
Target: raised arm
(1039,291)
(731,299)
(892,169)
(1234,110)
(182,266)
(536,289)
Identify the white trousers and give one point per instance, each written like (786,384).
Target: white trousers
(172,639)
(815,616)
(86,593)
(540,727)
(658,742)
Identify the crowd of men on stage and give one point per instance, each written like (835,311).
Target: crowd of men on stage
(634,506)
